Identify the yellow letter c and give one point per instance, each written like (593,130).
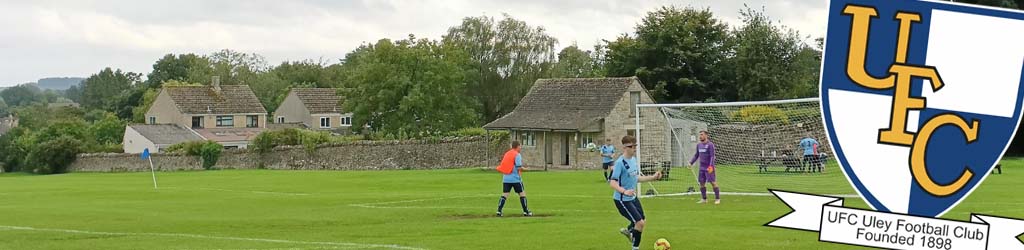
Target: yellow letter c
(918,149)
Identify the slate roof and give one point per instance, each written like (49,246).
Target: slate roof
(165,134)
(565,103)
(233,99)
(319,100)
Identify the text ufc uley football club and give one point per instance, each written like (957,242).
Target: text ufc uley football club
(870,228)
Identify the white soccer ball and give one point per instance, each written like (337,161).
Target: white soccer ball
(591,146)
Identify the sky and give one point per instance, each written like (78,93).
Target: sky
(42,39)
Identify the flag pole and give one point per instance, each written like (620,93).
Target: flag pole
(152,169)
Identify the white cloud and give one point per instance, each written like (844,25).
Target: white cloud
(78,38)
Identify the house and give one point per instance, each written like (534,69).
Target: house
(156,137)
(8,123)
(316,108)
(211,110)
(558,118)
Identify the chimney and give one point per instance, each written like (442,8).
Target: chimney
(216,84)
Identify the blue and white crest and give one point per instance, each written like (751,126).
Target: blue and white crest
(920,98)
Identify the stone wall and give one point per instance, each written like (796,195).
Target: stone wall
(114,162)
(360,155)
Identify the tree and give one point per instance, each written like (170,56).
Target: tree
(100,90)
(504,60)
(409,87)
(74,93)
(576,63)
(182,68)
(22,95)
(236,67)
(676,53)
(4,110)
(769,62)
(109,130)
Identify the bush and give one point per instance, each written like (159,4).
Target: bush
(208,151)
(263,143)
(54,156)
(467,132)
(761,115)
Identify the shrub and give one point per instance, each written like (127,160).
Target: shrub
(210,153)
(761,115)
(54,156)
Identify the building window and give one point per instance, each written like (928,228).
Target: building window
(634,99)
(280,119)
(631,132)
(152,120)
(586,139)
(346,121)
(528,138)
(197,122)
(325,122)
(225,121)
(252,121)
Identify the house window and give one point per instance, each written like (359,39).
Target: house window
(631,132)
(152,120)
(280,119)
(197,122)
(634,99)
(346,121)
(252,121)
(325,122)
(528,138)
(225,121)
(586,139)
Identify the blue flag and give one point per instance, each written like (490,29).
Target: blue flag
(145,154)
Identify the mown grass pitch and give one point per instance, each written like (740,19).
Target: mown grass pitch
(436,209)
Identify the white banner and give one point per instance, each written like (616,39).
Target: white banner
(861,227)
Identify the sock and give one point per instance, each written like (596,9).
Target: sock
(630,227)
(606,175)
(501,203)
(636,238)
(704,193)
(522,201)
(716,194)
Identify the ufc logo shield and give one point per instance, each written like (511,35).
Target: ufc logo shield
(920,98)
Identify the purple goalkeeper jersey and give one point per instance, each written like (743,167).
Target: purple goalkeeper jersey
(706,154)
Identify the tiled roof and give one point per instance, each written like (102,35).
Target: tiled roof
(565,104)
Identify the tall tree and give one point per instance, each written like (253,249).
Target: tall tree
(100,91)
(505,59)
(182,67)
(410,87)
(576,63)
(22,95)
(4,110)
(235,67)
(675,52)
(769,62)
(74,93)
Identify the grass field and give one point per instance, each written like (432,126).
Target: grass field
(437,209)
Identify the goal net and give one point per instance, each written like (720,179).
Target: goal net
(757,146)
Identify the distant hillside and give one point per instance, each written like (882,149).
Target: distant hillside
(59,83)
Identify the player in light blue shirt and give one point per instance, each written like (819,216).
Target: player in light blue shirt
(607,152)
(624,180)
(810,147)
(514,180)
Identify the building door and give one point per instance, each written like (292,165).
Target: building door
(565,149)
(547,149)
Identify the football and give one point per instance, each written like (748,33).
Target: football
(662,244)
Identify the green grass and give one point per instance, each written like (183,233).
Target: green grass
(437,209)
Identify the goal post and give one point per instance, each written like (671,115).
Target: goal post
(750,137)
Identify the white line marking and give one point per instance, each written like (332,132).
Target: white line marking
(343,244)
(740,194)
(240,191)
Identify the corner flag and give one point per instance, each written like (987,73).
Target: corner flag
(152,170)
(145,154)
